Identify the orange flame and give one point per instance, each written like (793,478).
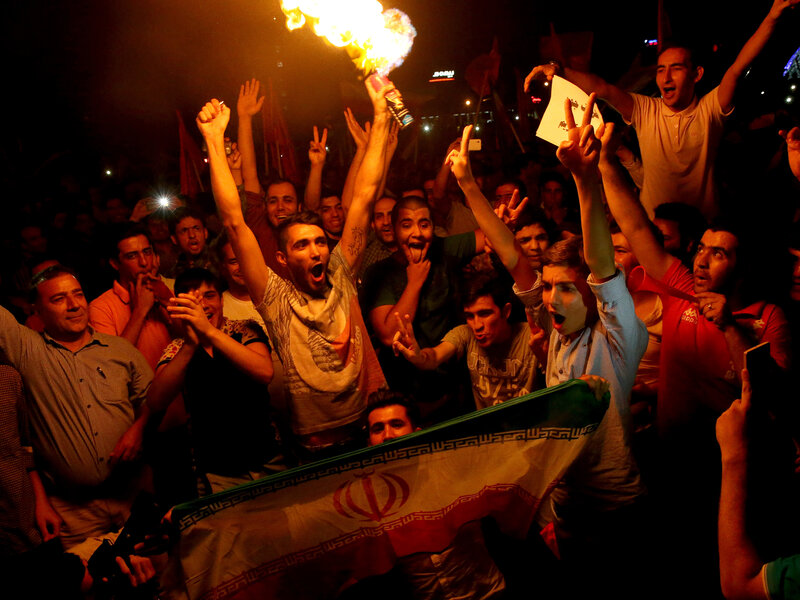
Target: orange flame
(377,40)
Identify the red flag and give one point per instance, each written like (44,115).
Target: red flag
(191,163)
(482,72)
(278,149)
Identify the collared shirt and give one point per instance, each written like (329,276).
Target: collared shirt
(79,403)
(678,151)
(110,313)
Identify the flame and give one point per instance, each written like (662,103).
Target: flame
(376,39)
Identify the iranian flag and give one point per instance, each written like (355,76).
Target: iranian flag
(312,531)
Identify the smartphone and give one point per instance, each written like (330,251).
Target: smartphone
(475,145)
(761,367)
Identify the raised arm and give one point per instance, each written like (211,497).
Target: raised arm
(502,240)
(360,138)
(249,104)
(580,154)
(368,179)
(628,212)
(618,98)
(739,564)
(211,121)
(317,154)
(749,52)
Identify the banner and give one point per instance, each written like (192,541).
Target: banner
(311,531)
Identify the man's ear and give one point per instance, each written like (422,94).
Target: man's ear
(281,257)
(506,312)
(174,239)
(698,74)
(114,264)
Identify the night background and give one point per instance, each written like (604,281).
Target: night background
(95,85)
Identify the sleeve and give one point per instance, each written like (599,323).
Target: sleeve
(251,332)
(275,288)
(714,108)
(378,288)
(640,106)
(101,319)
(776,332)
(782,578)
(626,333)
(459,337)
(461,246)
(141,378)
(170,351)
(16,341)
(678,276)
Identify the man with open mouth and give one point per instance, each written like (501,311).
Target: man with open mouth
(313,318)
(678,133)
(595,333)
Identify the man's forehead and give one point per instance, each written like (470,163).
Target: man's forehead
(720,239)
(187,222)
(59,285)
(672,56)
(481,303)
(385,413)
(330,201)
(299,231)
(384,205)
(281,190)
(561,274)
(532,230)
(134,242)
(422,212)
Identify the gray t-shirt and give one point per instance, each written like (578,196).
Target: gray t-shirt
(499,373)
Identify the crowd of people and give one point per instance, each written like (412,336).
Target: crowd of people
(186,349)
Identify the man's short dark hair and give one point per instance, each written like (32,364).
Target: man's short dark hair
(181,213)
(695,60)
(567,253)
(517,183)
(533,215)
(122,231)
(46,275)
(306,217)
(691,223)
(409,202)
(486,284)
(385,398)
(193,278)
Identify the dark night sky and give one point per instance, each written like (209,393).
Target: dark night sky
(106,77)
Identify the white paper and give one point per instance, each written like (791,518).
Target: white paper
(553,126)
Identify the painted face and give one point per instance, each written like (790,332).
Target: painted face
(211,301)
(503,193)
(190,235)
(307,257)
(61,305)
(382,220)
(414,229)
(565,296)
(332,214)
(623,254)
(715,261)
(552,195)
(671,233)
(136,257)
(281,202)
(488,322)
(230,267)
(794,292)
(534,241)
(676,78)
(388,423)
